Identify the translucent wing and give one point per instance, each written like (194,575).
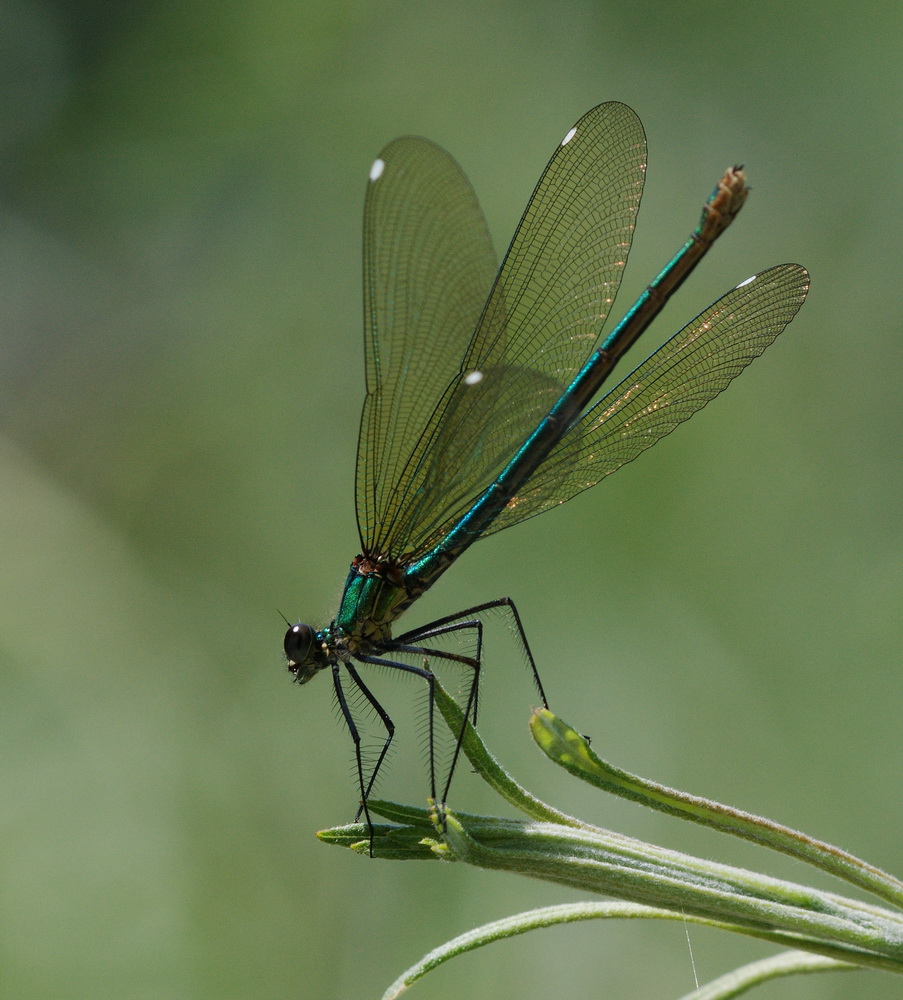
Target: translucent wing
(542,319)
(428,268)
(669,387)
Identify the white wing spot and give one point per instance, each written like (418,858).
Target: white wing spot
(569,136)
(472,378)
(376,171)
(748,281)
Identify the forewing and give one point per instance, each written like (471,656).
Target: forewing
(428,268)
(669,387)
(542,319)
(563,269)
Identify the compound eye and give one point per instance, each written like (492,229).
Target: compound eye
(299,642)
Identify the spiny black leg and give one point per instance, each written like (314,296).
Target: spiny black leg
(501,602)
(390,732)
(469,712)
(430,678)
(356,738)
(475,663)
(515,614)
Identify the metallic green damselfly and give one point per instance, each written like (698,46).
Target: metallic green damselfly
(480,382)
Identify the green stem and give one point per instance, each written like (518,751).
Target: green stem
(792,914)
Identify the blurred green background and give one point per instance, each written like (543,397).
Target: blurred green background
(180,382)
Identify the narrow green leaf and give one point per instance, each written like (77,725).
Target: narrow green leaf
(520,923)
(788,963)
(568,748)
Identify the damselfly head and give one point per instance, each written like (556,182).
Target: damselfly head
(304,652)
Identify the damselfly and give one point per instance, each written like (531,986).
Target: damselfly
(480,382)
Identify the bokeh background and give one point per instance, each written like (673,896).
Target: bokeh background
(180,383)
